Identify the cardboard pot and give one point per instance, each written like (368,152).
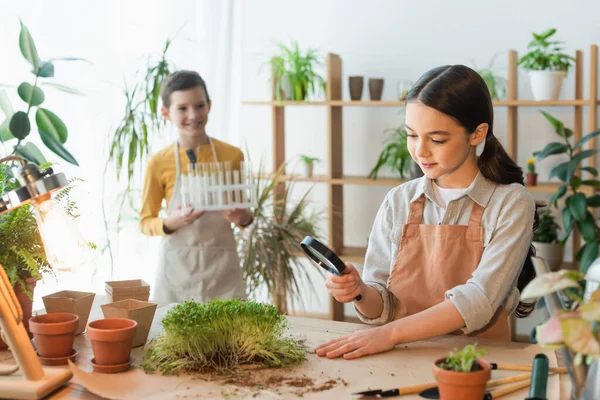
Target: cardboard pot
(129,289)
(141,312)
(71,301)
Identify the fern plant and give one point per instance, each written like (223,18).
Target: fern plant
(394,155)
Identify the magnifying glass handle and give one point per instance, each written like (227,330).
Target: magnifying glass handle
(357,298)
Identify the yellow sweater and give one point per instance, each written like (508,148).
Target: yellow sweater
(161,172)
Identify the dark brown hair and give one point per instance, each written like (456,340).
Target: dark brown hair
(459,92)
(181,80)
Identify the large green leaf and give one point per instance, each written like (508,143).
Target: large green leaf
(591,170)
(587,137)
(549,283)
(31,152)
(49,122)
(578,206)
(593,201)
(583,155)
(46,70)
(559,127)
(28,48)
(588,229)
(5,133)
(579,337)
(63,88)
(56,147)
(19,125)
(567,218)
(560,171)
(5,104)
(587,254)
(591,182)
(550,149)
(31,95)
(560,192)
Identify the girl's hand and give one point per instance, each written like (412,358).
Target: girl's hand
(347,286)
(239,216)
(358,344)
(181,218)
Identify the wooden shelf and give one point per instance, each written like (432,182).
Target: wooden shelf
(393,103)
(552,187)
(535,103)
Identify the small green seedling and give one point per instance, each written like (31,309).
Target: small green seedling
(309,160)
(464,360)
(221,334)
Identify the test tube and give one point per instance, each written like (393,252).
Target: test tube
(206,184)
(191,178)
(229,197)
(243,181)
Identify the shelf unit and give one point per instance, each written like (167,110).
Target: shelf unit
(335,178)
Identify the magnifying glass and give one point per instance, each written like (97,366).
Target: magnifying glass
(324,257)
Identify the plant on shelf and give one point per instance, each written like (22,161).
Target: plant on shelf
(531,174)
(309,163)
(462,374)
(495,83)
(293,73)
(17,126)
(220,335)
(576,211)
(547,65)
(270,246)
(394,155)
(545,240)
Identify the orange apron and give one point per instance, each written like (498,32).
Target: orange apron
(435,258)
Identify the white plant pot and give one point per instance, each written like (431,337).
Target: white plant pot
(308,170)
(546,85)
(553,253)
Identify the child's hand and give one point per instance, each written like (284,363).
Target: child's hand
(182,218)
(239,216)
(346,287)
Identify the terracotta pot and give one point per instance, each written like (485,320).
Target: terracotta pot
(129,289)
(462,385)
(141,312)
(111,340)
(531,179)
(54,334)
(356,87)
(375,88)
(26,305)
(70,301)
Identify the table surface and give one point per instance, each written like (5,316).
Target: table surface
(316,378)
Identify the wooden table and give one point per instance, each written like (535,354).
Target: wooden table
(316,378)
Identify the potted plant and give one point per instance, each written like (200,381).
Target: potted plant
(495,84)
(462,374)
(577,203)
(220,335)
(293,73)
(547,65)
(545,240)
(395,156)
(270,246)
(309,163)
(531,176)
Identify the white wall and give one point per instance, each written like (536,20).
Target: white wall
(399,40)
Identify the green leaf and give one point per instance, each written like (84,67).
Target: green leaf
(587,229)
(584,139)
(46,70)
(593,201)
(31,95)
(591,182)
(560,171)
(583,155)
(559,127)
(587,255)
(591,170)
(19,125)
(568,132)
(568,219)
(56,147)
(548,283)
(31,152)
(5,133)
(28,47)
(560,192)
(63,88)
(5,104)
(578,206)
(550,149)
(49,122)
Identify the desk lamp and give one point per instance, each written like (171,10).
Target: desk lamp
(32,381)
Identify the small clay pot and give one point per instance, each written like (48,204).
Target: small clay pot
(462,385)
(111,339)
(54,334)
(531,179)
(375,88)
(356,87)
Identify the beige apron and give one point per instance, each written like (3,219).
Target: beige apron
(198,261)
(435,258)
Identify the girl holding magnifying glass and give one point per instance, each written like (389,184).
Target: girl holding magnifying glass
(448,252)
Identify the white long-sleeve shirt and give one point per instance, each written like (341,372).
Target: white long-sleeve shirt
(507,227)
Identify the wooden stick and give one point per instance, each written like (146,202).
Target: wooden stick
(509,389)
(504,381)
(416,389)
(517,367)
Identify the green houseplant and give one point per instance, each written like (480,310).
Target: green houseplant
(395,154)
(220,335)
(17,125)
(309,163)
(495,83)
(293,73)
(568,172)
(269,247)
(547,65)
(545,240)
(462,374)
